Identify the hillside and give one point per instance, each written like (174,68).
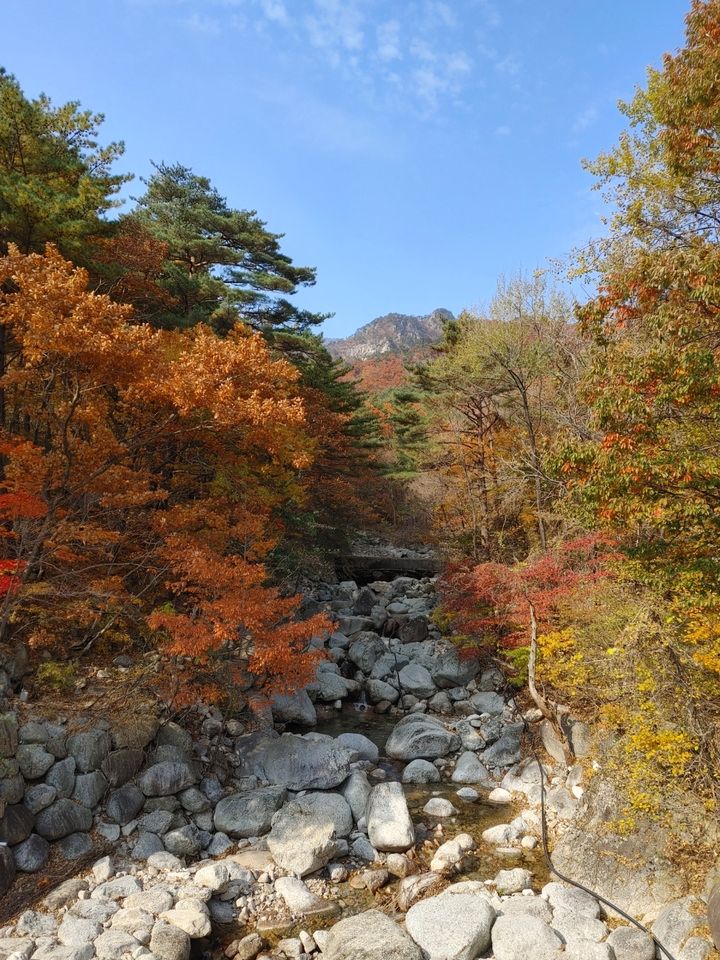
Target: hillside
(393,333)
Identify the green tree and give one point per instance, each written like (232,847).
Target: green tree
(56,182)
(222,264)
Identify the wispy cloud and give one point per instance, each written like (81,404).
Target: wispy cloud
(586,118)
(201,23)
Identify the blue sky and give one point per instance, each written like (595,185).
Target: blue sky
(411,150)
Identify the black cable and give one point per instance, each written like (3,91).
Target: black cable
(546,851)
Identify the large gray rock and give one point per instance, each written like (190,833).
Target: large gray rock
(365,649)
(416,679)
(135,734)
(676,922)
(507,750)
(488,702)
(34,760)
(447,666)
(521,936)
(571,900)
(300,764)
(39,796)
(62,777)
(356,790)
(89,749)
(389,825)
(122,765)
(166,778)
(421,771)
(369,936)
(8,734)
(125,803)
(294,708)
(16,824)
(248,814)
(331,686)
(453,926)
(420,736)
(629,943)
(359,744)
(469,769)
(32,854)
(61,819)
(186,841)
(168,942)
(90,788)
(328,808)
(379,690)
(7,869)
(299,842)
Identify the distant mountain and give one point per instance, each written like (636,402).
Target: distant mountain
(395,333)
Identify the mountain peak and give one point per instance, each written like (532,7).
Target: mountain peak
(391,333)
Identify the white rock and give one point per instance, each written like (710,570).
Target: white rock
(439,807)
(453,926)
(191,915)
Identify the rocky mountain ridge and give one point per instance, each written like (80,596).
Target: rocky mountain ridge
(393,333)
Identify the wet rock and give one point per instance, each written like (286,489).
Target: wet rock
(369,936)
(389,825)
(454,926)
(61,819)
(248,814)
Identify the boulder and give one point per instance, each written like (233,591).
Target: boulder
(62,818)
(328,807)
(166,778)
(507,750)
(300,764)
(521,936)
(469,769)
(248,814)
(676,922)
(512,881)
(112,944)
(294,708)
(168,942)
(124,803)
(413,630)
(39,796)
(34,760)
(416,679)
(421,771)
(356,791)
(89,788)
(365,649)
(186,841)
(452,926)
(121,765)
(89,749)
(75,845)
(420,736)
(32,854)
(488,702)
(62,777)
(362,746)
(16,824)
(299,900)
(190,915)
(369,936)
(299,842)
(379,691)
(8,734)
(411,889)
(439,807)
(135,734)
(390,828)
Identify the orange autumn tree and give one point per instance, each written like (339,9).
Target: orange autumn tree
(140,470)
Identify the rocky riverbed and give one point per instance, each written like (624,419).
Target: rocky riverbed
(389,811)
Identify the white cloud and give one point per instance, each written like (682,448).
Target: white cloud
(200,23)
(275,10)
(585,119)
(388,40)
(503,131)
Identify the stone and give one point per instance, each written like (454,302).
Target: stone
(249,947)
(535,906)
(159,821)
(12,784)
(507,750)
(63,894)
(116,889)
(328,807)
(450,853)
(164,861)
(298,842)
(34,924)
(32,854)
(587,950)
(135,734)
(39,796)
(168,942)
(331,686)
(7,869)
(172,734)
(488,702)
(16,824)
(166,778)
(498,795)
(299,900)
(468,794)
(75,845)
(361,745)
(521,936)
(89,749)
(696,948)
(356,791)
(294,708)
(34,760)
(469,769)
(184,842)
(675,923)
(512,881)
(112,944)
(369,936)
(575,926)
(420,736)
(61,776)
(300,764)
(365,649)
(580,737)
(416,679)
(219,845)
(714,913)
(452,926)
(90,788)
(248,814)
(125,803)
(421,771)
(412,889)
(121,765)
(413,630)
(552,742)
(146,845)
(62,818)
(390,828)
(8,734)
(194,801)
(571,900)
(439,807)
(190,915)
(380,691)
(74,931)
